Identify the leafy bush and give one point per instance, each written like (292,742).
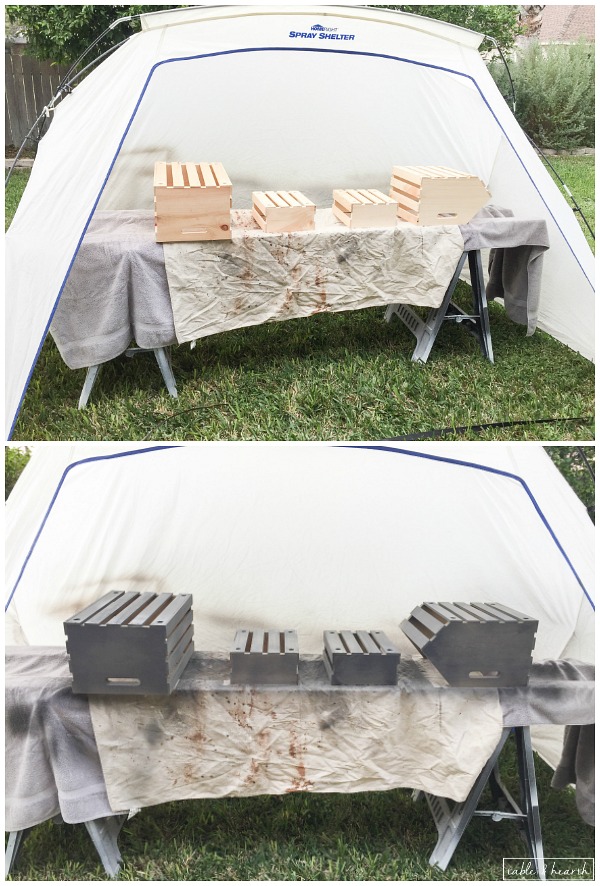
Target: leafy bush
(555,95)
(577,465)
(15,460)
(61,33)
(500,21)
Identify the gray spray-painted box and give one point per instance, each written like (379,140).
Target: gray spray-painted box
(360,658)
(129,643)
(474,644)
(261,657)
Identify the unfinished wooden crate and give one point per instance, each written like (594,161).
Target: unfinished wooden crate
(364,208)
(279,212)
(264,657)
(437,195)
(360,658)
(192,201)
(129,643)
(474,644)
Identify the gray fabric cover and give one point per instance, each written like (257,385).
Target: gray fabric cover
(116,292)
(52,761)
(578,766)
(558,692)
(515,263)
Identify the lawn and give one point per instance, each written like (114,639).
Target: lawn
(334,376)
(362,837)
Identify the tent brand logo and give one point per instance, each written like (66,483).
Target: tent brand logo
(553,869)
(319,32)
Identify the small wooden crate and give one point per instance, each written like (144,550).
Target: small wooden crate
(360,658)
(436,195)
(364,208)
(265,657)
(279,212)
(192,201)
(474,644)
(129,643)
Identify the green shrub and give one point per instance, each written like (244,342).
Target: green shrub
(15,459)
(554,88)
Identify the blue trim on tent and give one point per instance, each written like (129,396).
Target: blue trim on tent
(65,473)
(268,49)
(375,447)
(501,473)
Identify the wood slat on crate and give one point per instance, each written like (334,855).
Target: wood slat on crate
(364,208)
(437,195)
(130,643)
(279,212)
(474,644)
(261,657)
(360,658)
(192,202)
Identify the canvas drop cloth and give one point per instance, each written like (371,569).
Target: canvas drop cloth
(212,739)
(258,277)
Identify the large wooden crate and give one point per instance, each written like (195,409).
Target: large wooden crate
(437,195)
(474,644)
(279,212)
(264,657)
(360,658)
(129,643)
(364,208)
(192,202)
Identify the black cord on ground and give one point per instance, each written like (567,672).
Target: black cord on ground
(444,432)
(182,412)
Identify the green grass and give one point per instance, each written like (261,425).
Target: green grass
(330,377)
(369,836)
(578,175)
(13,194)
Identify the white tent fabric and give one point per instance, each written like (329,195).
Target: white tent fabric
(309,537)
(294,96)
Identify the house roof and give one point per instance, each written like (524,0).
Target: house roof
(566,24)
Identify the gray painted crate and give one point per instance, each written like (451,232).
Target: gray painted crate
(360,658)
(129,643)
(474,644)
(265,657)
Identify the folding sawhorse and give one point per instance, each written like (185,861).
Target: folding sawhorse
(162,358)
(477,323)
(103,831)
(451,819)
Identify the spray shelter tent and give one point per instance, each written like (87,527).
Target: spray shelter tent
(316,96)
(309,537)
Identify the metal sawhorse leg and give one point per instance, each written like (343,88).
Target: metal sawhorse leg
(162,358)
(451,819)
(477,323)
(103,831)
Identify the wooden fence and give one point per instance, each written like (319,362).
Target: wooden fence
(30,85)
